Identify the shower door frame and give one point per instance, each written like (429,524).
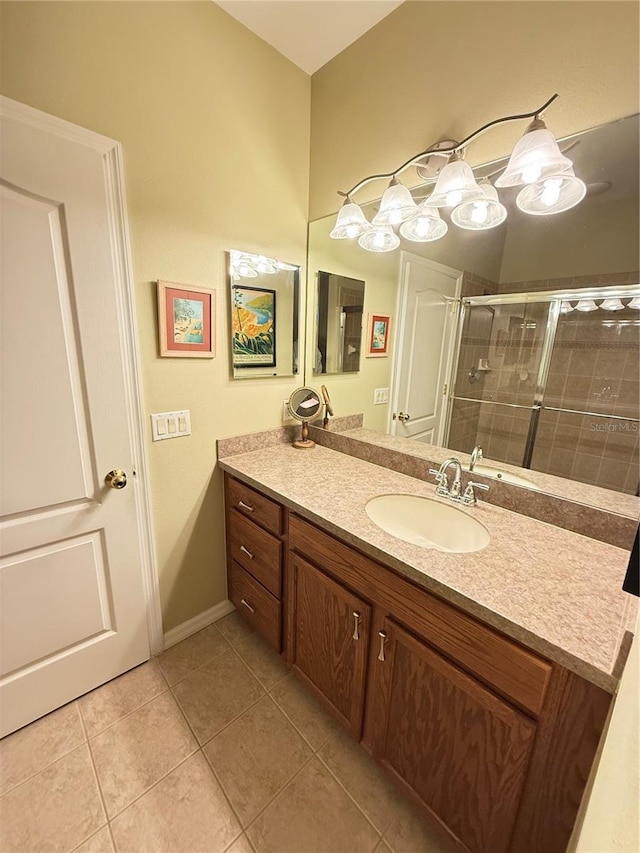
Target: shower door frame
(556,297)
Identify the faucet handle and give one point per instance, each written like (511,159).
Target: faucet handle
(482,486)
(469,496)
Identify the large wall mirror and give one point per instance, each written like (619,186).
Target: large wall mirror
(265,306)
(522,339)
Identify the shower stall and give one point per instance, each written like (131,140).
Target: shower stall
(549,381)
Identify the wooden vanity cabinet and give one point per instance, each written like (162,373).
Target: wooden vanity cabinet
(490,740)
(330,640)
(451,742)
(255,530)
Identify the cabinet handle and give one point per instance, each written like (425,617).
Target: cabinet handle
(383,642)
(356,625)
(247,552)
(248,507)
(247,605)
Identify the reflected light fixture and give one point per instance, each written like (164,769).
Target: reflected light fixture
(566,307)
(379,238)
(426,226)
(553,194)
(612,304)
(586,305)
(546,174)
(482,213)
(635,303)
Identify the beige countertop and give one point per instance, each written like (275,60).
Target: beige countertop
(557,592)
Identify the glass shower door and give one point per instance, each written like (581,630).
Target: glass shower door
(496,394)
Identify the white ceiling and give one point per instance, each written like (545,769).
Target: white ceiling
(309,32)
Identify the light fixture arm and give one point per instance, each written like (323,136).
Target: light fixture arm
(450,150)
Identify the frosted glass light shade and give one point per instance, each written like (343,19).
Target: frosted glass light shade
(553,194)
(612,304)
(245,267)
(425,227)
(566,307)
(534,157)
(481,214)
(351,221)
(396,205)
(266,266)
(586,305)
(635,303)
(379,238)
(455,185)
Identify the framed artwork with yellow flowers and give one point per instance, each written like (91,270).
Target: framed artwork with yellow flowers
(253,326)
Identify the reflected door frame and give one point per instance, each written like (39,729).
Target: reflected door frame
(447,350)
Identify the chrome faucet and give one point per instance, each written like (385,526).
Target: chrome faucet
(476,456)
(454,492)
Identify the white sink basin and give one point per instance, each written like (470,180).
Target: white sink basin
(429,523)
(505,476)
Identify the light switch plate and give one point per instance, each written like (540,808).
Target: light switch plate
(380,396)
(170,425)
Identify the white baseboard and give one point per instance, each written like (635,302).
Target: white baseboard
(191,626)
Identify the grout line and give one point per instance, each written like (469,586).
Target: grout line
(226,725)
(353,799)
(198,668)
(50,763)
(97,780)
(225,794)
(276,795)
(125,716)
(153,785)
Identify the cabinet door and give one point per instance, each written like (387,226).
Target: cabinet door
(462,750)
(331,638)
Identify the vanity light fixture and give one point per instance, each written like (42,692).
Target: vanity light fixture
(566,307)
(635,303)
(251,266)
(550,186)
(396,205)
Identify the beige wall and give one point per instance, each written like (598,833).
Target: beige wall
(215,129)
(353,393)
(436,69)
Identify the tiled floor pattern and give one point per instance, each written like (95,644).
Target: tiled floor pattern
(211,746)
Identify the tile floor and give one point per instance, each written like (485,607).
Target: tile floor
(211,746)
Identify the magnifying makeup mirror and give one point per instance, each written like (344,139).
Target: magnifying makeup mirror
(303,405)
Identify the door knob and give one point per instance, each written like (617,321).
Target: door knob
(403,416)
(116,479)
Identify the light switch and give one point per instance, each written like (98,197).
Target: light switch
(380,396)
(170,425)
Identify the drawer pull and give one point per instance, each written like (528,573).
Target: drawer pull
(356,625)
(383,642)
(248,507)
(247,605)
(247,552)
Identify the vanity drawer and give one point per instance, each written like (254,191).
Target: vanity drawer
(257,606)
(256,551)
(255,506)
(512,670)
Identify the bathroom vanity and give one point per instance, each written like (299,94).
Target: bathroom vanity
(480,681)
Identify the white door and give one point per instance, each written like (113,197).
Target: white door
(427,306)
(73,608)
